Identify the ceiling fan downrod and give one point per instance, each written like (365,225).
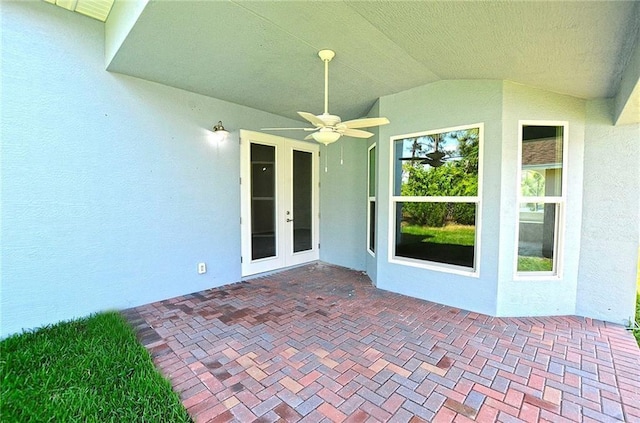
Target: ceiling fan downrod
(326,56)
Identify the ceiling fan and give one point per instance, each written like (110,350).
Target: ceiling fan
(435,158)
(328,128)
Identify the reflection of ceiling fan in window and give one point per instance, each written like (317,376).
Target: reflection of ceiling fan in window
(435,158)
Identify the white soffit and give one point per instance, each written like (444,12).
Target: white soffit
(96,9)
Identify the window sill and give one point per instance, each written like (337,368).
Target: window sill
(436,267)
(535,277)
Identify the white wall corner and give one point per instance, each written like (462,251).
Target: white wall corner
(122,18)
(607,274)
(627,99)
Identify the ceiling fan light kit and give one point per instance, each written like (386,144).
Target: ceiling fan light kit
(329,128)
(325,136)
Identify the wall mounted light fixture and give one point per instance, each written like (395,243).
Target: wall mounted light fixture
(220,134)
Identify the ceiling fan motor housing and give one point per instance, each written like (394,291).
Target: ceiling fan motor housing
(329,120)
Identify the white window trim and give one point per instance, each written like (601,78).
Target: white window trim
(561,201)
(371,198)
(393,199)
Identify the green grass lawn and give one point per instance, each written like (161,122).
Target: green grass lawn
(534,264)
(449,234)
(87,370)
(636,330)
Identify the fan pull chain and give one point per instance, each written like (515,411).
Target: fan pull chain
(341,154)
(326,158)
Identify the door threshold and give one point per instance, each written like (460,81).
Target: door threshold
(274,271)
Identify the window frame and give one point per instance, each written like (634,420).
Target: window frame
(371,199)
(477,199)
(559,200)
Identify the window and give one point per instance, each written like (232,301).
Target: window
(435,199)
(371,202)
(541,197)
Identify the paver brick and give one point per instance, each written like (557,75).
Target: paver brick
(444,415)
(266,405)
(291,384)
(352,404)
(332,413)
(461,408)
(318,343)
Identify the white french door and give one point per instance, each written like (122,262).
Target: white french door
(279,192)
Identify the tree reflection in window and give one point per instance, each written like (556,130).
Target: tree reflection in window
(436,196)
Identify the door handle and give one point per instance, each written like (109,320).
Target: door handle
(289,220)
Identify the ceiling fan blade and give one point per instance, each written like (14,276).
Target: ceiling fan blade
(313,119)
(436,155)
(365,123)
(288,129)
(355,133)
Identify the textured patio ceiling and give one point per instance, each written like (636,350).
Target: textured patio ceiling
(263,54)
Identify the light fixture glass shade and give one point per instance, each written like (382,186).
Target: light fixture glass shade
(219,132)
(326,136)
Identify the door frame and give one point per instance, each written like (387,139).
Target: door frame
(284,198)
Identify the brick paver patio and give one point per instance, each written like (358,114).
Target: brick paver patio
(319,343)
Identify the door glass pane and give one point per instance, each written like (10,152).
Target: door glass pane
(541,161)
(302,187)
(537,237)
(372,226)
(439,232)
(263,205)
(372,172)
